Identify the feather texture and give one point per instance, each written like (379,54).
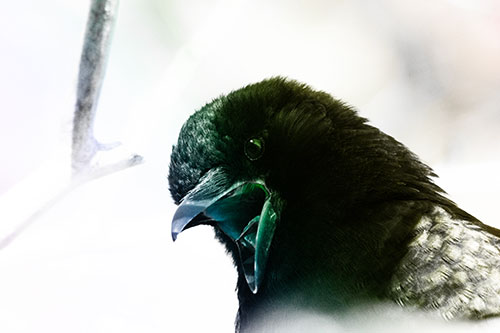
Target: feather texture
(453,266)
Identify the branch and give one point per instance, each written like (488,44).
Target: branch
(84,163)
(93,61)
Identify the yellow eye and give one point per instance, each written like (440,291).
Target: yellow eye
(254,148)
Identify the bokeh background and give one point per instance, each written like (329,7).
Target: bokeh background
(101,259)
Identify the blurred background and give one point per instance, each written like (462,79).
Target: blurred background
(102,259)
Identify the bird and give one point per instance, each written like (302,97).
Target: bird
(323,212)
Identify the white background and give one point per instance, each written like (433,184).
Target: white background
(101,259)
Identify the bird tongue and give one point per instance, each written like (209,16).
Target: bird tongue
(238,209)
(254,243)
(245,214)
(247,217)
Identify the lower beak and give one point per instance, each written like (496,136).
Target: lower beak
(243,211)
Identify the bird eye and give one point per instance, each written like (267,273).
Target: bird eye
(254,148)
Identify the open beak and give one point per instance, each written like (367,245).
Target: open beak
(242,210)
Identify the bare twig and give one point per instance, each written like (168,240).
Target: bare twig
(93,61)
(84,145)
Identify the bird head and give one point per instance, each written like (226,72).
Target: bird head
(287,176)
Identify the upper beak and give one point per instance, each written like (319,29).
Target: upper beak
(242,210)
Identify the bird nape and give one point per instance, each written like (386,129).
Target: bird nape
(321,211)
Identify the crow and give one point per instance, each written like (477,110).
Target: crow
(323,212)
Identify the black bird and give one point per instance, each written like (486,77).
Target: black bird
(321,211)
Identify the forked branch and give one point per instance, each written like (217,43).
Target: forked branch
(84,145)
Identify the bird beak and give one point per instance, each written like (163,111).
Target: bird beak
(242,210)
